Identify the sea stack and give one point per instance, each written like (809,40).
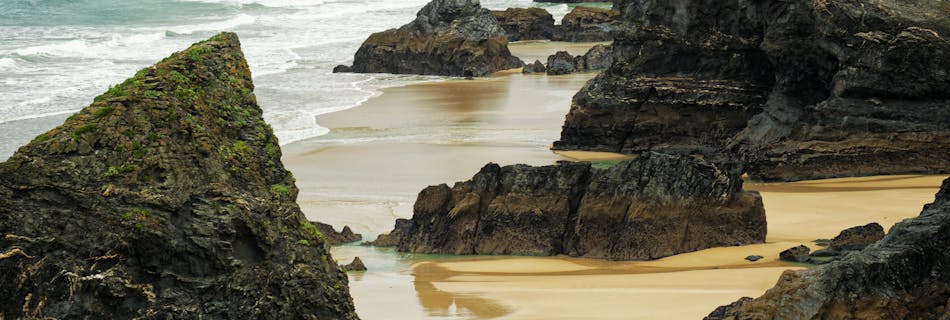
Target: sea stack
(650,207)
(448,37)
(166,198)
(902,276)
(798,89)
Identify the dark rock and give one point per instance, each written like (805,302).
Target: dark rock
(650,207)
(342,68)
(448,37)
(903,276)
(335,238)
(754,258)
(795,254)
(822,242)
(392,239)
(356,265)
(536,67)
(599,57)
(799,89)
(856,238)
(166,198)
(588,24)
(560,63)
(526,23)
(826,253)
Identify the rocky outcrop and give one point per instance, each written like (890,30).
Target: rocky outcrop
(650,207)
(333,237)
(597,58)
(526,23)
(536,67)
(166,198)
(903,276)
(448,37)
(857,238)
(795,254)
(588,24)
(800,89)
(356,265)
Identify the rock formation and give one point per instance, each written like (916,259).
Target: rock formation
(356,265)
(903,276)
(588,24)
(166,198)
(650,207)
(536,67)
(795,254)
(857,238)
(597,58)
(799,89)
(448,37)
(334,237)
(526,23)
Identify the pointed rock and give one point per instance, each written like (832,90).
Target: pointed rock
(165,198)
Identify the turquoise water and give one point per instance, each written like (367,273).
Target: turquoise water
(56,55)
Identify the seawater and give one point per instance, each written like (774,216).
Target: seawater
(56,55)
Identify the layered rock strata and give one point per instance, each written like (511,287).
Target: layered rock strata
(799,89)
(166,198)
(650,207)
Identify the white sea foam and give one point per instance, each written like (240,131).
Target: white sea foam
(7,64)
(239,20)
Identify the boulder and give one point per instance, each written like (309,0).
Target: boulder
(560,63)
(588,24)
(165,198)
(342,68)
(448,37)
(650,207)
(795,254)
(798,89)
(598,57)
(856,238)
(903,276)
(392,239)
(336,238)
(754,258)
(526,23)
(356,265)
(536,67)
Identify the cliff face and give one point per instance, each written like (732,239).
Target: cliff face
(165,198)
(902,276)
(650,207)
(448,37)
(800,89)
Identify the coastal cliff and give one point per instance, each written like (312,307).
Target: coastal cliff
(650,207)
(448,37)
(165,198)
(902,276)
(799,89)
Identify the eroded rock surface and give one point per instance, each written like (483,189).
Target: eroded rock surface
(448,37)
(345,235)
(902,276)
(800,89)
(588,24)
(526,23)
(653,206)
(166,198)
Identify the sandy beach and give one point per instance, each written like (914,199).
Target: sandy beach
(367,171)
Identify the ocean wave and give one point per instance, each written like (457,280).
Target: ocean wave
(239,20)
(268,3)
(8,64)
(84,48)
(37,116)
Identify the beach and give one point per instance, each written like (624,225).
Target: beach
(367,171)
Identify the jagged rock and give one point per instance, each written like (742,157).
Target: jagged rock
(392,239)
(356,265)
(856,238)
(754,258)
(334,237)
(560,62)
(650,207)
(526,23)
(448,37)
(166,198)
(342,68)
(588,24)
(599,57)
(795,254)
(903,276)
(536,67)
(800,89)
